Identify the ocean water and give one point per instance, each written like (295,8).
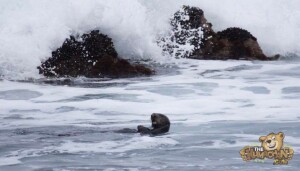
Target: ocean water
(215,107)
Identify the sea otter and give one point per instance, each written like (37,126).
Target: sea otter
(160,124)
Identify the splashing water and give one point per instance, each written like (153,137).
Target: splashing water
(183,39)
(30,30)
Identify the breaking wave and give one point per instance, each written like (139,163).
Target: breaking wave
(30,30)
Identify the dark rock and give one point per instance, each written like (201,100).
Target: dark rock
(193,37)
(190,32)
(91,55)
(232,43)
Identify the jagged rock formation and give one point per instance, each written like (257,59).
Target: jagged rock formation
(190,30)
(193,37)
(91,55)
(232,43)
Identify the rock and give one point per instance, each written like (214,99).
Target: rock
(190,32)
(92,55)
(232,43)
(192,36)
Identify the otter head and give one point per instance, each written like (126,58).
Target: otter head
(159,120)
(272,141)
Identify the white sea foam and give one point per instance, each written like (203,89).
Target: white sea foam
(215,107)
(136,143)
(6,161)
(120,147)
(30,30)
(208,91)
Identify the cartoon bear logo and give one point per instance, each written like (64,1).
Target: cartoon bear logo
(272,147)
(244,153)
(272,141)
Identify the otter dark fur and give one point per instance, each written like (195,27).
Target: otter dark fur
(160,124)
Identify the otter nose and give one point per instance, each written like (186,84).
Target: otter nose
(269,141)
